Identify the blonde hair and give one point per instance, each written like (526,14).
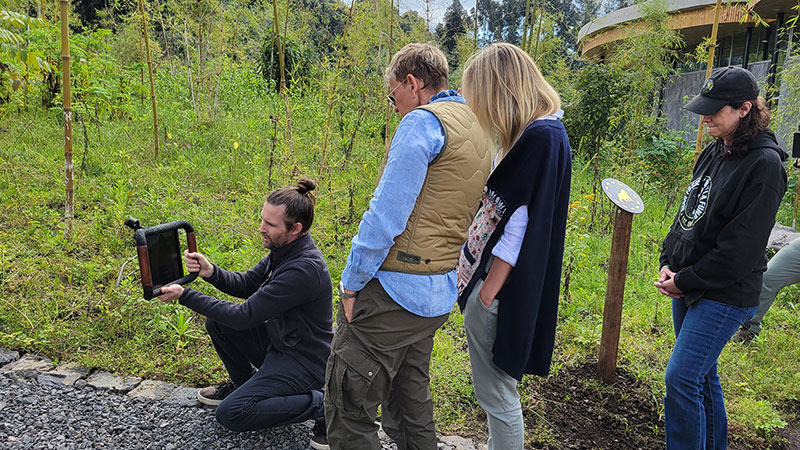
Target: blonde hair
(507,91)
(423,61)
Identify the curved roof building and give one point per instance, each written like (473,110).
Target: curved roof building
(757,45)
(739,39)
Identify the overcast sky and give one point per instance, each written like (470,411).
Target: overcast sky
(438,7)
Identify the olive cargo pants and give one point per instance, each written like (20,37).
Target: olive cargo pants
(382,357)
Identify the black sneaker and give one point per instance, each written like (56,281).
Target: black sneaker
(214,395)
(320,439)
(743,335)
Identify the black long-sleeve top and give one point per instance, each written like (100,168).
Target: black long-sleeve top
(290,291)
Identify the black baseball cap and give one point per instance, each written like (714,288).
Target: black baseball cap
(730,84)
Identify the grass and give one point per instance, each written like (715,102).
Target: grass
(57,295)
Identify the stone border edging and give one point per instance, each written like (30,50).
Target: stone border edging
(44,371)
(69,374)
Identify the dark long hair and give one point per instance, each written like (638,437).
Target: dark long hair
(755,122)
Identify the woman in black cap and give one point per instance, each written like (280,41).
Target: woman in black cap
(712,258)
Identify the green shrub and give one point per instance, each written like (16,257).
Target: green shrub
(297,61)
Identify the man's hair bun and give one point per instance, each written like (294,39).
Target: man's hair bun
(305,185)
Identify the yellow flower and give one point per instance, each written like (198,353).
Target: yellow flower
(235,145)
(589,196)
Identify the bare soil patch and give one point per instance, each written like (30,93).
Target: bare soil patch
(574,410)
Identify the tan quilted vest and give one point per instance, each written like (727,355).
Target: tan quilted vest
(446,205)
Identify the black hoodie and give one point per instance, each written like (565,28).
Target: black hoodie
(716,243)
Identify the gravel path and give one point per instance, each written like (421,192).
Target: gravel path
(36,415)
(49,406)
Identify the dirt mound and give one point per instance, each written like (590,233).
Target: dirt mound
(573,410)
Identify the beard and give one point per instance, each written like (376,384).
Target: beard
(274,242)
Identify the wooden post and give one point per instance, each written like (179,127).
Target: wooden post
(69,205)
(709,67)
(628,203)
(615,292)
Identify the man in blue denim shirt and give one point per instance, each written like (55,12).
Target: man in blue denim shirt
(399,284)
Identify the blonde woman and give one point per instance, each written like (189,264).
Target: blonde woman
(510,268)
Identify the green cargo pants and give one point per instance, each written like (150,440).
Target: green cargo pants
(382,357)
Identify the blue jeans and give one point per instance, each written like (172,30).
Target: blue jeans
(694,409)
(280,392)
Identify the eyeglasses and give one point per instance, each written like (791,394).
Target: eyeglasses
(390,97)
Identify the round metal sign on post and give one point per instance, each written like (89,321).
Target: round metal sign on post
(623,196)
(628,203)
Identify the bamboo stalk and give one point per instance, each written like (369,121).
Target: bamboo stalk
(538,31)
(286,18)
(476,23)
(380,34)
(332,93)
(709,67)
(525,24)
(69,206)
(289,137)
(219,66)
(150,71)
(189,67)
(142,59)
(272,150)
(386,139)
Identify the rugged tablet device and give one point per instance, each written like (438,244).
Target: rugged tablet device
(160,257)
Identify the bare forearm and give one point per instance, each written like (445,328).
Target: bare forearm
(495,280)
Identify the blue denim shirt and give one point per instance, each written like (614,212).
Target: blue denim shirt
(417,141)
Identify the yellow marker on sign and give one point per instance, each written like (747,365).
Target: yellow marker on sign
(623,196)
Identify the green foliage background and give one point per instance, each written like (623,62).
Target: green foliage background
(225,146)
